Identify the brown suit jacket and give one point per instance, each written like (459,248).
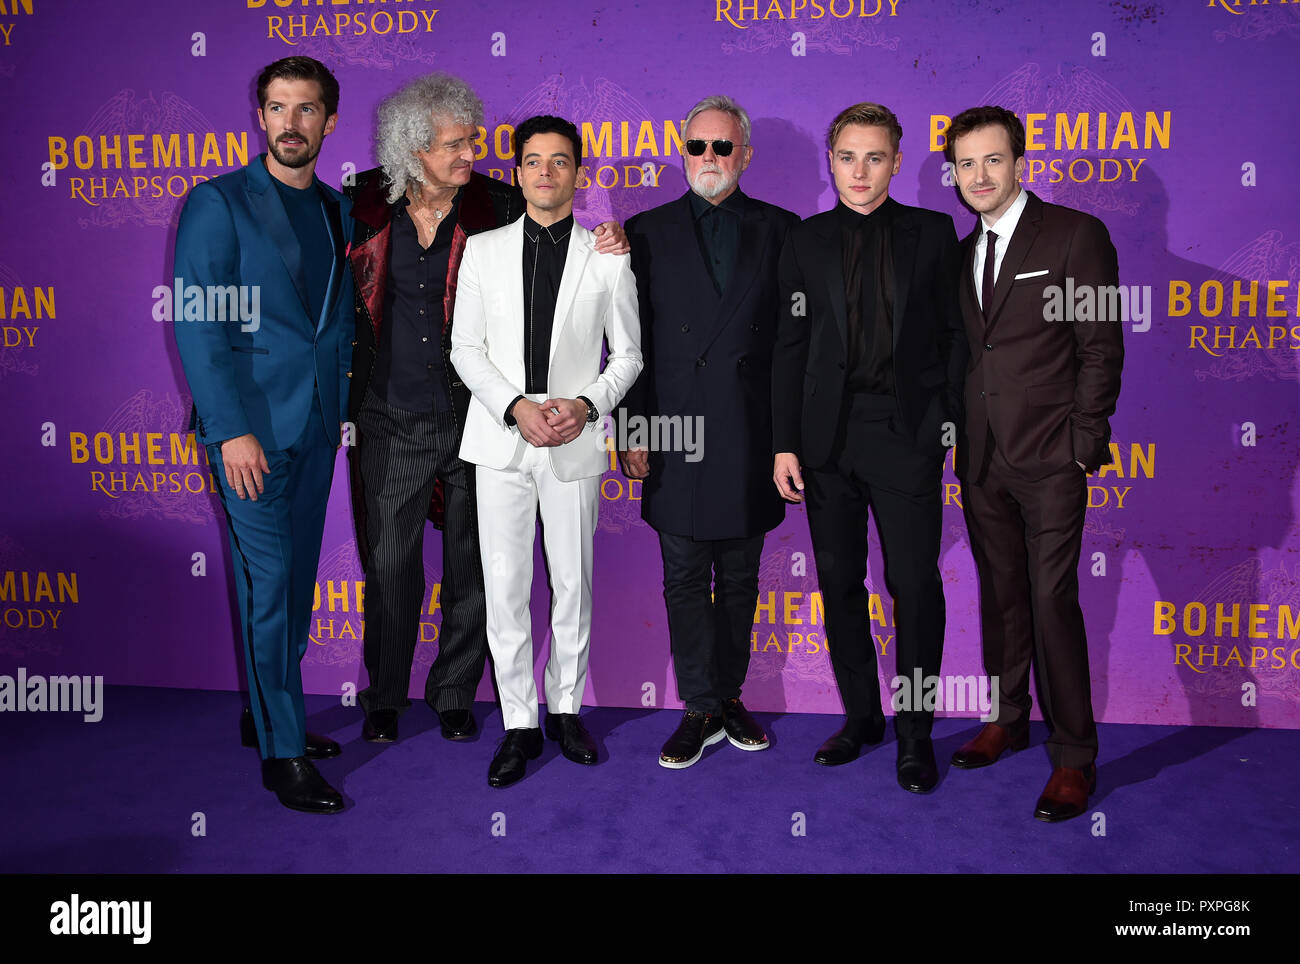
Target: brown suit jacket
(1045,389)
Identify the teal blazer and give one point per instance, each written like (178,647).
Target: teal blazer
(261,376)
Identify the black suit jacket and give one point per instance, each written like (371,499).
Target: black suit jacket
(1046,389)
(930,347)
(709,356)
(485,204)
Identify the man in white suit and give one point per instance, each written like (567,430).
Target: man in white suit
(527,343)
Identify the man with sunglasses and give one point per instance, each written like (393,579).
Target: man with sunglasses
(871,357)
(706,269)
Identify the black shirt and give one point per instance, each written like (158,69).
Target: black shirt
(868,297)
(410,368)
(545,249)
(717,229)
(307,216)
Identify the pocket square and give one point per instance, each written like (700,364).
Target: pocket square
(1030,274)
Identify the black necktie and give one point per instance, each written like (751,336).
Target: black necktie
(990,259)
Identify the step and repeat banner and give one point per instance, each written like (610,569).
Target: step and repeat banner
(1173,122)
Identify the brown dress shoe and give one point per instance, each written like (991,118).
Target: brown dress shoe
(989,744)
(1066,793)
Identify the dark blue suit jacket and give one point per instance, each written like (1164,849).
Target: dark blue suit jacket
(234,231)
(709,356)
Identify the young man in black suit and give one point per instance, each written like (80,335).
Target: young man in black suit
(866,394)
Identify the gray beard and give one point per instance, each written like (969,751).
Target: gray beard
(708,192)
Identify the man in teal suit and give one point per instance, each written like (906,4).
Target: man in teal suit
(269,382)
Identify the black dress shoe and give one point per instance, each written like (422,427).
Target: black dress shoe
(519,746)
(743,731)
(380,727)
(457,724)
(299,785)
(845,745)
(317,747)
(693,734)
(917,771)
(575,742)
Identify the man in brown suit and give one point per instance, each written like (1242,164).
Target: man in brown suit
(1039,394)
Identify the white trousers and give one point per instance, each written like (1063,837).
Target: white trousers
(508,501)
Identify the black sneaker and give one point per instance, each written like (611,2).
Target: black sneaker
(693,734)
(742,729)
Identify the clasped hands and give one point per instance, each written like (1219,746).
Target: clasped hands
(552,422)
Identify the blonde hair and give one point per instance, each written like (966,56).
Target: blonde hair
(868,115)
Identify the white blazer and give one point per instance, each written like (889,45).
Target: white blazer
(596,302)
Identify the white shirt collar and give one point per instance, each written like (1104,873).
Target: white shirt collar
(1005,226)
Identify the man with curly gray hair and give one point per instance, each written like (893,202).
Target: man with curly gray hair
(413,215)
(407,125)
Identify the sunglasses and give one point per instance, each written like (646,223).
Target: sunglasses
(722,148)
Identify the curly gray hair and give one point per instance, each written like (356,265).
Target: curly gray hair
(406,125)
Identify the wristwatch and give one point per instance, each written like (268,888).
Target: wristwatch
(592,414)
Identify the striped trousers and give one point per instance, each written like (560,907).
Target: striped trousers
(402,454)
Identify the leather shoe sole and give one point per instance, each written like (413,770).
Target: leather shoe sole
(323,807)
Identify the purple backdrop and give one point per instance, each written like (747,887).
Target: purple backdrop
(1167,121)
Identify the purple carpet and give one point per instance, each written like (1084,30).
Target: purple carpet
(120,796)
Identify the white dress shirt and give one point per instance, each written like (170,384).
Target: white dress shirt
(1004,227)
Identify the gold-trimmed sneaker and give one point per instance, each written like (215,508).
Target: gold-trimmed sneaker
(743,731)
(693,734)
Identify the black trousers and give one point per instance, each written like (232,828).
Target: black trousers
(710,589)
(1026,538)
(402,455)
(879,467)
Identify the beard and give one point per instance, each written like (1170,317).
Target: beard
(307,153)
(708,184)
